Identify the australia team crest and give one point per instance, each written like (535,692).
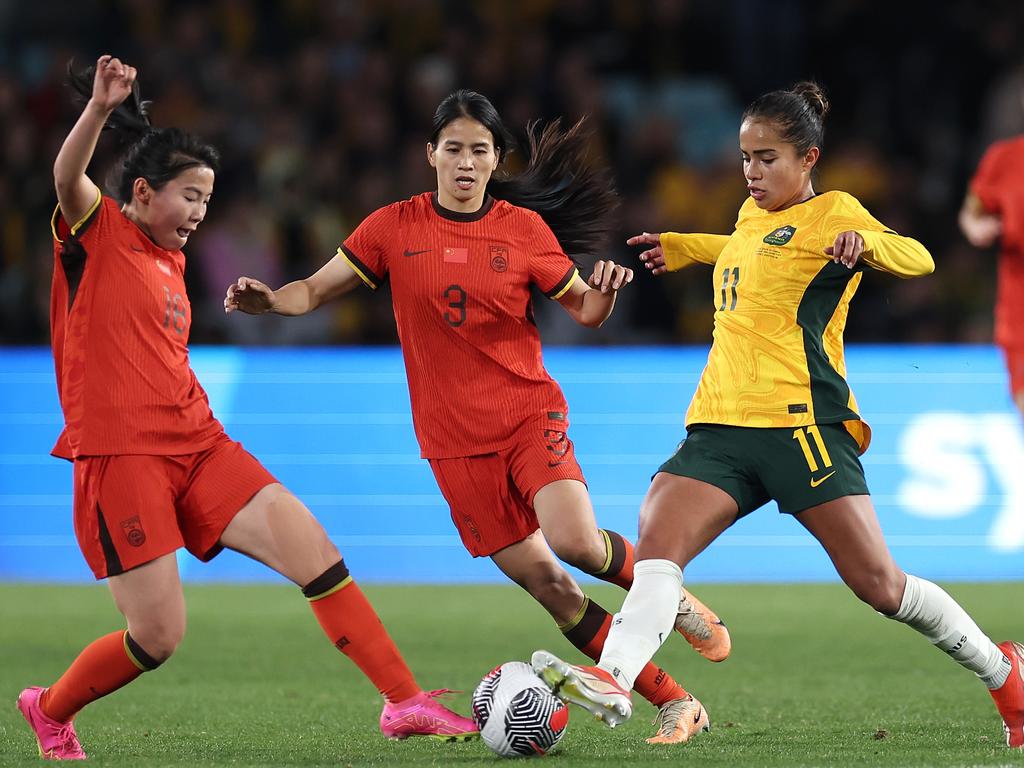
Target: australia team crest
(780,236)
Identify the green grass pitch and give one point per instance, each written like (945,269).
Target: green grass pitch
(815,679)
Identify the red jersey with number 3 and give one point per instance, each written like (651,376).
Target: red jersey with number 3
(460,286)
(119,322)
(998,184)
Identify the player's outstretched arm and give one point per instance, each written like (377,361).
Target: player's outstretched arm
(333,279)
(592,302)
(980,227)
(76,192)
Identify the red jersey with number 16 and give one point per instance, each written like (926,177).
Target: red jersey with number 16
(119,322)
(998,185)
(460,287)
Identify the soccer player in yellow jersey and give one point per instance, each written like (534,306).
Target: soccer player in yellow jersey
(774,418)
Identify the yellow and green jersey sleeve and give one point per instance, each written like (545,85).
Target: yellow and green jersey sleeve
(683,250)
(780,309)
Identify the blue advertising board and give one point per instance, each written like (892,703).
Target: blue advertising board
(946,466)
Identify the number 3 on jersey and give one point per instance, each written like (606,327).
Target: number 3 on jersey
(456,312)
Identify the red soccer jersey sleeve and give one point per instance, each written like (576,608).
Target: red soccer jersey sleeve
(550,269)
(366,249)
(997,184)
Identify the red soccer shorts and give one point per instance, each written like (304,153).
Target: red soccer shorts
(491,496)
(132,509)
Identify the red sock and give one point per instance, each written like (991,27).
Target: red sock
(106,664)
(588,631)
(353,626)
(618,565)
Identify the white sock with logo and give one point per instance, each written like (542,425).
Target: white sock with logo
(645,621)
(927,608)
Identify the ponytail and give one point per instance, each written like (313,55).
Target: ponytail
(131,118)
(574,197)
(154,154)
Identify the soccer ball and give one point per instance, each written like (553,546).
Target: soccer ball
(516,712)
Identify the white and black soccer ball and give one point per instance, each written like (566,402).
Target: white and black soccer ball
(516,712)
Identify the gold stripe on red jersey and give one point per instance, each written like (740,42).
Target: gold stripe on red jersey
(80,224)
(365,273)
(563,285)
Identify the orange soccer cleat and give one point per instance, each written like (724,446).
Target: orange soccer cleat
(702,628)
(678,720)
(1010,697)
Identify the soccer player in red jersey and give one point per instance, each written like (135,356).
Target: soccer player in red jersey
(153,469)
(994,210)
(491,421)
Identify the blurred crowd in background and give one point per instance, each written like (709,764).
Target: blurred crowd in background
(321,110)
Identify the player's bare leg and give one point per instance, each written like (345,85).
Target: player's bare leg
(278,530)
(151,601)
(848,529)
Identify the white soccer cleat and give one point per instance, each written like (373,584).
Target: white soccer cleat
(592,688)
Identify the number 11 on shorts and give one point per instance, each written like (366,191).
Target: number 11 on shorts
(801,435)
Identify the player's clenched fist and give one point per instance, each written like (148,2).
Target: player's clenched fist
(609,276)
(250,296)
(112,83)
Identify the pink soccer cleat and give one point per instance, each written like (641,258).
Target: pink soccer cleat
(56,741)
(422,715)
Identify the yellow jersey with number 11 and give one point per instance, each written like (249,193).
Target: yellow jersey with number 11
(780,309)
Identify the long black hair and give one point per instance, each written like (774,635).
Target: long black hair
(573,196)
(798,113)
(154,154)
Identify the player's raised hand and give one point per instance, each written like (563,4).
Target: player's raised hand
(250,296)
(847,249)
(653,258)
(609,276)
(112,83)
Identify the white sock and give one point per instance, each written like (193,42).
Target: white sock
(645,621)
(937,616)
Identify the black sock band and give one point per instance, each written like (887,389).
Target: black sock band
(327,581)
(616,547)
(587,624)
(142,659)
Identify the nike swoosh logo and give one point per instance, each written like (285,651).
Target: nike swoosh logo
(407,252)
(820,480)
(137,249)
(558,463)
